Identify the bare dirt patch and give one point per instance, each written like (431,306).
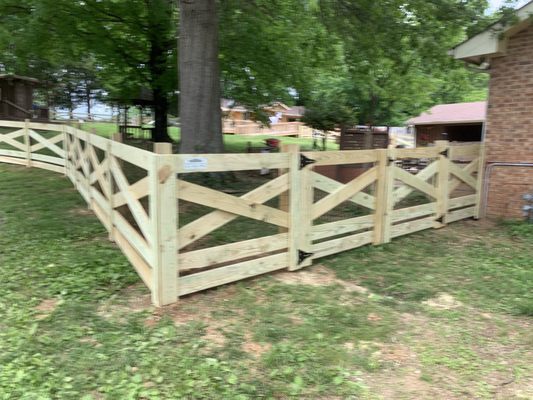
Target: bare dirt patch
(81,211)
(253,348)
(45,308)
(443,301)
(318,275)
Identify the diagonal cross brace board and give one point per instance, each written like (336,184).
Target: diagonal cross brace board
(344,193)
(214,220)
(329,185)
(472,167)
(414,181)
(463,174)
(231,204)
(47,143)
(137,210)
(9,139)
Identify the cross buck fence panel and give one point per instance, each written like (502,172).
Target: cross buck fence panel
(170,216)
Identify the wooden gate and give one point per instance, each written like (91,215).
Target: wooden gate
(238,260)
(173,224)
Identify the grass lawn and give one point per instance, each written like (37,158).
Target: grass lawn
(442,314)
(233,143)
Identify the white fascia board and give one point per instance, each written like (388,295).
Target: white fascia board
(491,42)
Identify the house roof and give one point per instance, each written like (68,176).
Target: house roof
(492,42)
(18,78)
(295,111)
(458,113)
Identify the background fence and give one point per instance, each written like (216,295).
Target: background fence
(192,222)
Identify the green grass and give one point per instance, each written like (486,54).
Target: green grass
(262,338)
(233,143)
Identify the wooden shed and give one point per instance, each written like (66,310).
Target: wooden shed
(458,122)
(16,98)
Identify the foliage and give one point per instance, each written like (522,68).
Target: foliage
(370,62)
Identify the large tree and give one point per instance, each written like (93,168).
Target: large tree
(200,114)
(130,44)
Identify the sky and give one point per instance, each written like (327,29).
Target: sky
(495,4)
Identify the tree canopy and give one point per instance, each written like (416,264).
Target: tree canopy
(365,61)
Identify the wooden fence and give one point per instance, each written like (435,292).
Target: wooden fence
(138,194)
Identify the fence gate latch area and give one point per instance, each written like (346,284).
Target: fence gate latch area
(302,256)
(304,161)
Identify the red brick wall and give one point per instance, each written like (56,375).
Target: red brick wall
(509,130)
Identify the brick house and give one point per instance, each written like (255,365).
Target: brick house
(506,53)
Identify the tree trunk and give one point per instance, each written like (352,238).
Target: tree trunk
(158,67)
(160,133)
(200,115)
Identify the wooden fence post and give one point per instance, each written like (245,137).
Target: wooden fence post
(301,199)
(389,194)
(89,163)
(284,197)
(27,142)
(110,191)
(164,219)
(442,182)
(66,149)
(289,201)
(380,195)
(479,183)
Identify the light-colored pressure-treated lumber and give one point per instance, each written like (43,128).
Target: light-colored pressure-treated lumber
(419,152)
(323,249)
(424,175)
(13,153)
(303,236)
(233,251)
(140,265)
(329,185)
(164,221)
(16,161)
(137,210)
(462,175)
(412,226)
(9,138)
(48,159)
(48,167)
(414,182)
(140,158)
(214,220)
(480,177)
(293,209)
(138,190)
(329,229)
(414,212)
(345,192)
(48,143)
(460,214)
(463,152)
(211,198)
(135,239)
(27,141)
(390,199)
(462,201)
(469,169)
(186,163)
(341,157)
(236,272)
(380,200)
(443,179)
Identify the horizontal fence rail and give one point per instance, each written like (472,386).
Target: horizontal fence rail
(298,211)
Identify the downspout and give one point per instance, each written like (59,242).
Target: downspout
(486,178)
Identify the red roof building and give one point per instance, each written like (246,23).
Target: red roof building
(459,122)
